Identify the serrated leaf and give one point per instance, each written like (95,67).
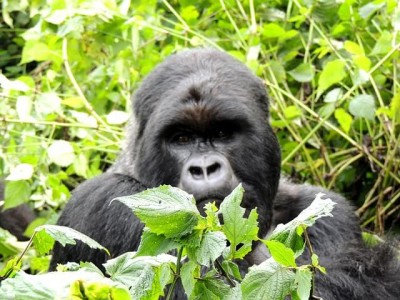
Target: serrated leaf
(344,119)
(289,234)
(281,254)
(145,276)
(238,229)
(211,247)
(47,234)
(269,280)
(303,280)
(154,244)
(61,153)
(303,72)
(210,288)
(332,73)
(165,210)
(363,106)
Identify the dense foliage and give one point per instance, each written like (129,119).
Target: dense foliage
(69,67)
(206,258)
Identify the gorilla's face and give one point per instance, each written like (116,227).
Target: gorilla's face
(202,125)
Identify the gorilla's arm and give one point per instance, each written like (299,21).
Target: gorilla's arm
(89,211)
(354,270)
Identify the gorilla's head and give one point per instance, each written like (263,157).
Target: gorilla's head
(201,123)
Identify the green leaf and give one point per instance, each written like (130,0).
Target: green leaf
(189,272)
(16,193)
(237,229)
(145,276)
(165,210)
(344,119)
(45,235)
(61,153)
(395,107)
(49,286)
(289,234)
(303,281)
(211,247)
(154,244)
(353,48)
(383,44)
(363,106)
(209,289)
(281,254)
(269,280)
(303,72)
(292,112)
(36,51)
(21,172)
(333,95)
(98,290)
(370,8)
(232,269)
(332,73)
(273,30)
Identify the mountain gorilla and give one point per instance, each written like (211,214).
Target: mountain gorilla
(201,123)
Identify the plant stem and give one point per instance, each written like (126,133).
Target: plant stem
(177,274)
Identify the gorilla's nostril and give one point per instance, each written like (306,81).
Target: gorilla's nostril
(213,168)
(196,172)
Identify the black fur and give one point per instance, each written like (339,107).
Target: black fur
(201,109)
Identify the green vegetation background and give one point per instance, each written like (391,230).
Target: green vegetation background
(69,68)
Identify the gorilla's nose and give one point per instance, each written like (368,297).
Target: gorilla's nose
(206,174)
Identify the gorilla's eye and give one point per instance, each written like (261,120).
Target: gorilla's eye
(182,139)
(223,133)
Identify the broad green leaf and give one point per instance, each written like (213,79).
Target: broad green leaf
(210,288)
(165,210)
(332,73)
(98,290)
(48,103)
(45,235)
(211,247)
(15,85)
(49,286)
(145,276)
(189,272)
(353,48)
(278,72)
(61,153)
(273,30)
(24,108)
(344,119)
(74,102)
(232,269)
(189,13)
(395,107)
(117,117)
(292,112)
(9,245)
(269,280)
(289,233)
(154,244)
(303,72)
(238,229)
(16,193)
(21,172)
(383,44)
(333,95)
(281,254)
(36,51)
(363,106)
(303,281)
(370,8)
